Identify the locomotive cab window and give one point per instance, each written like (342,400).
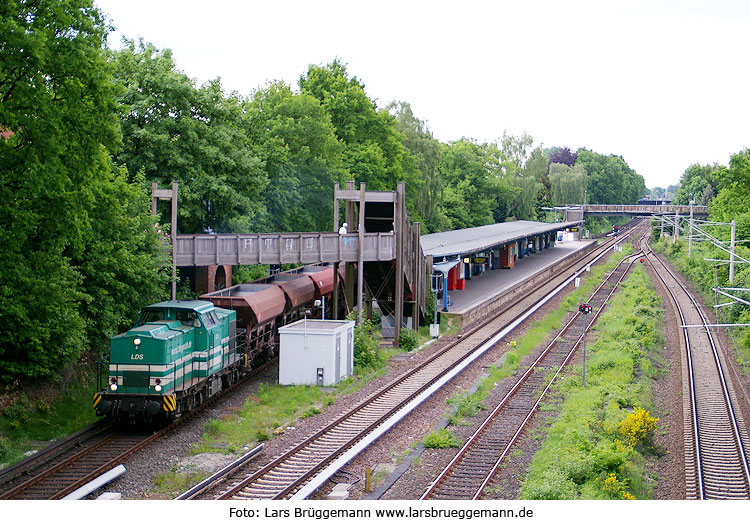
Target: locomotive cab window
(150,315)
(210,319)
(188,318)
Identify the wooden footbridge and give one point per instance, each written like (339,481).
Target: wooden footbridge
(382,242)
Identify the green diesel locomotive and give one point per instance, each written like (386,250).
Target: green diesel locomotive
(179,354)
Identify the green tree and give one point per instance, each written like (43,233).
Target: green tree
(173,131)
(698,182)
(733,198)
(538,168)
(295,138)
(57,111)
(126,263)
(426,151)
(517,149)
(374,151)
(476,190)
(611,180)
(568,184)
(524,168)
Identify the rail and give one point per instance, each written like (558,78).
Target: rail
(473,467)
(302,469)
(713,431)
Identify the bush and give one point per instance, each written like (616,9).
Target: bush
(407,339)
(441,439)
(429,316)
(638,426)
(616,488)
(366,353)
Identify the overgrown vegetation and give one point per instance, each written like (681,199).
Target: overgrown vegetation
(598,446)
(408,339)
(469,404)
(273,407)
(172,484)
(441,439)
(705,275)
(367,355)
(26,422)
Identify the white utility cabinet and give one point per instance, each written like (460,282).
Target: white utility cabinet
(316,352)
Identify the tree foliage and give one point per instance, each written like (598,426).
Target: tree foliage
(562,155)
(294,136)
(732,201)
(538,168)
(425,150)
(173,131)
(568,183)
(59,231)
(525,168)
(698,182)
(374,151)
(475,190)
(611,180)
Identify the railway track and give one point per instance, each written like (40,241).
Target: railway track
(471,470)
(65,466)
(716,439)
(55,473)
(88,457)
(297,473)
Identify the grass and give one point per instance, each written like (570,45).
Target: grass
(441,439)
(25,423)
(467,404)
(705,275)
(264,414)
(587,453)
(172,484)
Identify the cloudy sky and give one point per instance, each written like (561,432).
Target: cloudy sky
(664,84)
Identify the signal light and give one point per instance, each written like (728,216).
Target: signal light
(584,308)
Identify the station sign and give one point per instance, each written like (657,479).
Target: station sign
(573,229)
(479,260)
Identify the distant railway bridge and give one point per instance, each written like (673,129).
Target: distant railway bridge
(576,212)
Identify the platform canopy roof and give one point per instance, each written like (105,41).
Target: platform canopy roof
(445,266)
(469,241)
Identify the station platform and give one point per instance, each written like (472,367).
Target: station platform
(481,292)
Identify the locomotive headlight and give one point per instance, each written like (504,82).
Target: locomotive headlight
(113,387)
(137,341)
(157,388)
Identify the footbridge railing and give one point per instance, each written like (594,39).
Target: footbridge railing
(305,247)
